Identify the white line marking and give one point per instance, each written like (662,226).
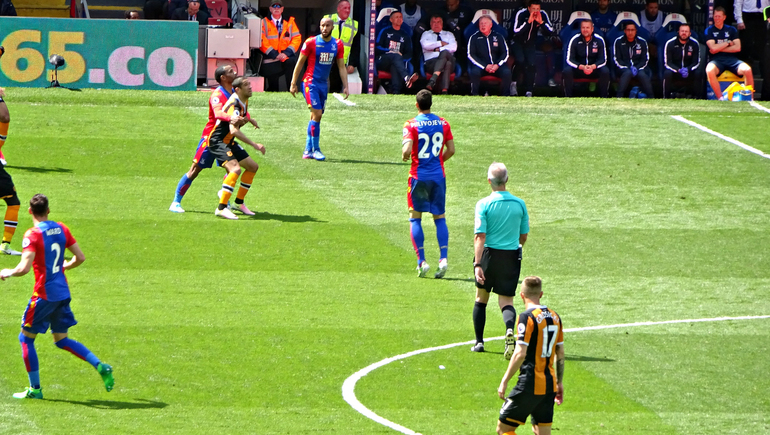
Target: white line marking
(348,387)
(343,100)
(756,105)
(721,136)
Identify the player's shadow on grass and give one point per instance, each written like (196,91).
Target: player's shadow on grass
(365,162)
(112,404)
(264,216)
(569,357)
(459,279)
(38,170)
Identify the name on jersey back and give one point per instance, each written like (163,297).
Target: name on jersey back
(427,123)
(53,231)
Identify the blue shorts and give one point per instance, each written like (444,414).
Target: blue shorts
(203,157)
(40,314)
(427,196)
(729,64)
(315,95)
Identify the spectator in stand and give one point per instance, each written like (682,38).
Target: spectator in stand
(281,41)
(170,6)
(153,9)
(7,9)
(631,55)
(681,57)
(525,29)
(438,48)
(652,17)
(603,17)
(132,14)
(345,30)
(724,45)
(487,55)
(586,58)
(192,12)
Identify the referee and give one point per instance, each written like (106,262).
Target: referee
(501,228)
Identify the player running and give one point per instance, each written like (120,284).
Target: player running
(49,306)
(224,75)
(320,53)
(7,188)
(427,180)
(230,154)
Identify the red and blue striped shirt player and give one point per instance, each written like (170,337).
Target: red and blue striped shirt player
(224,75)
(321,53)
(49,306)
(428,143)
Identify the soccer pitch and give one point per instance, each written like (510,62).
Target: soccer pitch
(253,326)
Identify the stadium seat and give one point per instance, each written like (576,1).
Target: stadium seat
(220,21)
(217,8)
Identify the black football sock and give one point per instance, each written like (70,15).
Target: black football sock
(479,320)
(509,317)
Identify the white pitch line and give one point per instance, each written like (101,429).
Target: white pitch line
(756,105)
(343,100)
(721,136)
(349,386)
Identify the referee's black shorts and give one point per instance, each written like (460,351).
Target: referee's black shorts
(501,271)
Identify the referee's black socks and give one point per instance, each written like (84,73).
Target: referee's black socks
(479,320)
(509,317)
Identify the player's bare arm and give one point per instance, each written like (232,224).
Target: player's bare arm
(344,76)
(450,149)
(235,131)
(478,249)
(21,269)
(297,71)
(406,150)
(522,239)
(516,361)
(2,92)
(77,257)
(560,374)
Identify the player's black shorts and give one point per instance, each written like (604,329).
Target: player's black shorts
(6,184)
(223,152)
(501,270)
(521,404)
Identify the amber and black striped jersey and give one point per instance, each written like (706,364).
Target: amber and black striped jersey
(539,329)
(221,132)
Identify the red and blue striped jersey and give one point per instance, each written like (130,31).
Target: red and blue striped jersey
(428,133)
(321,57)
(48,240)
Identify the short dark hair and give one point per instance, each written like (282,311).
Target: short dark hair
(396,12)
(629,23)
(683,24)
(424,99)
(534,2)
(720,9)
(437,15)
(39,205)
(128,13)
(239,81)
(220,71)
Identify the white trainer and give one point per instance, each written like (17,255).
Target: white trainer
(245,210)
(442,267)
(510,344)
(176,208)
(423,269)
(226,214)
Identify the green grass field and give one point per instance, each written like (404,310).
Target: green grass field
(252,326)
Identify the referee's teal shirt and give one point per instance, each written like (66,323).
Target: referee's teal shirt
(503,218)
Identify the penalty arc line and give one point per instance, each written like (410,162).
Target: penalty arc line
(348,387)
(721,136)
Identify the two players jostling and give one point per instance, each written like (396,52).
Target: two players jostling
(539,341)
(49,306)
(424,140)
(224,75)
(230,154)
(320,52)
(501,229)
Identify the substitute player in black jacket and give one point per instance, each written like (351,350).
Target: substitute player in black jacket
(681,57)
(586,58)
(526,24)
(487,55)
(631,56)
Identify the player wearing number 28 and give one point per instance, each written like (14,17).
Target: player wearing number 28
(43,250)
(425,137)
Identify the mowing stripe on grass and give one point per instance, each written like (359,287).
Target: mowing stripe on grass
(756,105)
(348,387)
(721,136)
